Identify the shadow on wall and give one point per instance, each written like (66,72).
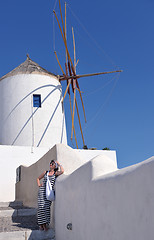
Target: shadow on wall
(115,206)
(21,130)
(75,183)
(48,124)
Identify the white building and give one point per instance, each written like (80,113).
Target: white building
(31,112)
(93,196)
(32,120)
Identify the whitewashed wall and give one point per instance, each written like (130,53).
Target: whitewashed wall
(17,114)
(11,157)
(114,206)
(27,189)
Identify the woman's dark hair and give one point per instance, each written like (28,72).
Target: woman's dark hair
(55,169)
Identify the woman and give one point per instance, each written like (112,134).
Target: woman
(43,203)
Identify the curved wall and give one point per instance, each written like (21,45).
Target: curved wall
(22,124)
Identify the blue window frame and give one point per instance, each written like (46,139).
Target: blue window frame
(36,100)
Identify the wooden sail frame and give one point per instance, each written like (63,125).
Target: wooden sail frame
(72,77)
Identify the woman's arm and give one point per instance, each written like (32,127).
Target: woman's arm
(61,171)
(39,178)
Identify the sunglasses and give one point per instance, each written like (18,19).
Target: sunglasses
(53,163)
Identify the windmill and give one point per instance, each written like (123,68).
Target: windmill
(70,75)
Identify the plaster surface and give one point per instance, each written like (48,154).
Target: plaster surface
(89,154)
(94,196)
(11,157)
(27,189)
(21,124)
(117,205)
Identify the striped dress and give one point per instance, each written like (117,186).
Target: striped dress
(43,213)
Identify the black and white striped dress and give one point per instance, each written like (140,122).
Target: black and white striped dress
(43,213)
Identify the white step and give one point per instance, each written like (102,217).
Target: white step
(28,235)
(11,204)
(18,212)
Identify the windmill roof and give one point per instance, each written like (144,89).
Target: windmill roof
(28,67)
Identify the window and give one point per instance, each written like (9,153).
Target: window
(36,100)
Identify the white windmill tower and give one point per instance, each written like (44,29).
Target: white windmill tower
(31,112)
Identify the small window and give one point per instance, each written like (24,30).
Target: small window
(37,100)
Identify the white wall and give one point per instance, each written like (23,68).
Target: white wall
(114,206)
(89,154)
(70,159)
(11,157)
(27,189)
(18,115)
(75,158)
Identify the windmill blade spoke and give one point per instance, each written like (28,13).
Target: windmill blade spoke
(70,72)
(71,106)
(64,40)
(71,116)
(67,89)
(76,63)
(80,94)
(62,19)
(77,84)
(78,90)
(89,75)
(67,79)
(59,63)
(65,30)
(73,113)
(74,50)
(79,122)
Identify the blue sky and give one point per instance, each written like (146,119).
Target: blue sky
(109,35)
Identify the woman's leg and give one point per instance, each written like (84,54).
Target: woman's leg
(41,227)
(45,227)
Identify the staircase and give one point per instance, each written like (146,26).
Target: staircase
(20,223)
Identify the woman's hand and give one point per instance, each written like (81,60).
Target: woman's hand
(61,171)
(57,163)
(39,178)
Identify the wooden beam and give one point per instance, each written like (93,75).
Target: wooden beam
(63,38)
(62,19)
(81,100)
(69,82)
(71,116)
(80,95)
(65,30)
(71,106)
(79,122)
(62,78)
(74,50)
(59,63)
(73,113)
